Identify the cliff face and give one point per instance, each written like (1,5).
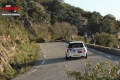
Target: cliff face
(7,51)
(10,45)
(17,53)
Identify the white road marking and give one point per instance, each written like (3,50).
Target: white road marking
(43,62)
(100,52)
(108,56)
(44,55)
(32,71)
(42,48)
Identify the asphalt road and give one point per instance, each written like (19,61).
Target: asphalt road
(51,64)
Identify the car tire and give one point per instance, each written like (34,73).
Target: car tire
(67,57)
(86,55)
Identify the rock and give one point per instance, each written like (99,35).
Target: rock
(17,37)
(8,38)
(1,68)
(13,48)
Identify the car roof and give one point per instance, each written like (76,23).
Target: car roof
(76,42)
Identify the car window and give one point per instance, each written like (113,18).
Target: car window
(75,45)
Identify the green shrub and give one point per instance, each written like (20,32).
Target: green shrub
(18,62)
(21,58)
(12,33)
(18,41)
(25,58)
(101,71)
(32,38)
(2,30)
(40,40)
(9,72)
(2,76)
(105,39)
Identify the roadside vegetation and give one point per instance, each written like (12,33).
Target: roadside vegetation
(105,39)
(103,70)
(21,54)
(47,15)
(21,62)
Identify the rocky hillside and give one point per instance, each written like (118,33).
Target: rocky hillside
(6,51)
(17,53)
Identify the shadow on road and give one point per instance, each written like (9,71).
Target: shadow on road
(60,60)
(102,54)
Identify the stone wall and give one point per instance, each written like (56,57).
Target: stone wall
(105,49)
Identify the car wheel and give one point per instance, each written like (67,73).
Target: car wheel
(67,57)
(86,56)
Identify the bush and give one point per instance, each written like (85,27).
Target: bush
(18,41)
(101,71)
(25,58)
(40,40)
(2,30)
(9,72)
(105,39)
(32,38)
(2,76)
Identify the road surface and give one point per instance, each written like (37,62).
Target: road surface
(51,64)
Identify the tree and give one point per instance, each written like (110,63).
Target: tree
(63,30)
(105,39)
(94,22)
(109,16)
(108,25)
(60,1)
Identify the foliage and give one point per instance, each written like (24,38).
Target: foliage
(105,39)
(52,11)
(25,53)
(25,58)
(94,22)
(49,12)
(2,76)
(103,70)
(9,71)
(52,19)
(18,41)
(108,26)
(40,40)
(63,30)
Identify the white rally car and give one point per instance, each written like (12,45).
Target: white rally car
(76,49)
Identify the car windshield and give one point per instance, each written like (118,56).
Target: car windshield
(75,45)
